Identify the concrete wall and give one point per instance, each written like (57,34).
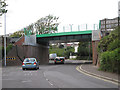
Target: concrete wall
(27,47)
(12,53)
(41,53)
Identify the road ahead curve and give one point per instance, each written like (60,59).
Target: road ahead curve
(51,76)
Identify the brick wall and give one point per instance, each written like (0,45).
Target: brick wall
(95,53)
(20,41)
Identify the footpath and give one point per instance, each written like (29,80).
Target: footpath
(92,70)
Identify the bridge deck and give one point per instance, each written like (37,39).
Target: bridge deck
(65,33)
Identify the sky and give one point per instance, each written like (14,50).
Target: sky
(22,13)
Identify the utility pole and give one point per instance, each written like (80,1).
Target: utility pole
(5,39)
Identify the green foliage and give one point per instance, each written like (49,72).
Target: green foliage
(9,47)
(113,45)
(110,61)
(110,42)
(109,50)
(83,51)
(2,7)
(44,25)
(68,50)
(47,24)
(58,51)
(61,51)
(17,34)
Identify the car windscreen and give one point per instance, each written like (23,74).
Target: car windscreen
(57,59)
(29,60)
(61,58)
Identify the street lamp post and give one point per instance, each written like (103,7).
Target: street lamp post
(5,39)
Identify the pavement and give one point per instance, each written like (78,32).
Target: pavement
(92,70)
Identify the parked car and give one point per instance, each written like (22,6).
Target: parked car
(52,56)
(59,60)
(30,63)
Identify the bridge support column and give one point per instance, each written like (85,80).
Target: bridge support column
(95,52)
(96,35)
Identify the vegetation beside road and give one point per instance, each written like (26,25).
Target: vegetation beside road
(84,50)
(109,50)
(61,51)
(8,48)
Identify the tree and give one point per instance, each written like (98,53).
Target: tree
(83,50)
(61,46)
(68,50)
(2,7)
(30,28)
(61,52)
(17,34)
(47,24)
(109,49)
(44,25)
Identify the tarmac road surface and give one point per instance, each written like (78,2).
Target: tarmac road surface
(51,76)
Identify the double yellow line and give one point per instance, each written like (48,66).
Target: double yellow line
(79,68)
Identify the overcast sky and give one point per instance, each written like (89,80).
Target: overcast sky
(21,13)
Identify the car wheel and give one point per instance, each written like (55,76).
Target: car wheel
(35,68)
(23,68)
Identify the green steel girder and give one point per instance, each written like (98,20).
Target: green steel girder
(65,38)
(65,33)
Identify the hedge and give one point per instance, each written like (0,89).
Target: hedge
(110,61)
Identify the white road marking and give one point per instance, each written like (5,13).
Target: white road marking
(47,79)
(26,81)
(50,83)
